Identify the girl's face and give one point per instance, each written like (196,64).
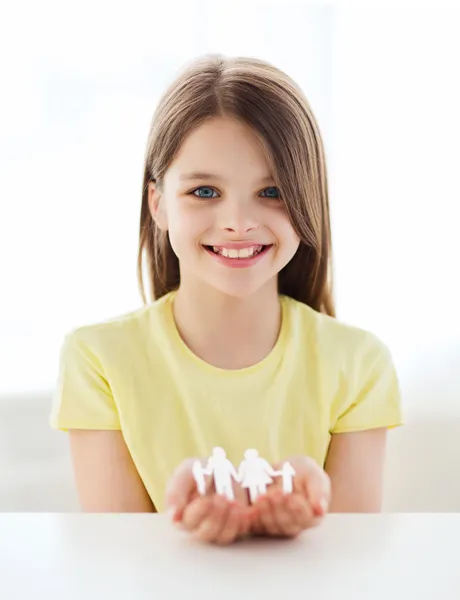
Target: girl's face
(226,221)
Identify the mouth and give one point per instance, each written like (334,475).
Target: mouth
(238,257)
(239,253)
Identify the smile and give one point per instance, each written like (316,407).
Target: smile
(238,257)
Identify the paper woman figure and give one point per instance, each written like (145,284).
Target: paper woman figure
(254,473)
(223,471)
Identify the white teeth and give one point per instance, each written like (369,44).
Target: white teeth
(234,253)
(245,252)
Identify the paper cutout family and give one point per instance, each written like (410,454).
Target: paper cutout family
(254,474)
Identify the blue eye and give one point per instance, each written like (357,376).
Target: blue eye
(271,192)
(204,192)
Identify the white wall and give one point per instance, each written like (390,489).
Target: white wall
(396,189)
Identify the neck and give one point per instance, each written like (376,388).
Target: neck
(228,332)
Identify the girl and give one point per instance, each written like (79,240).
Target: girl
(240,347)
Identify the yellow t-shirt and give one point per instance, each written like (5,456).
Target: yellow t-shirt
(135,374)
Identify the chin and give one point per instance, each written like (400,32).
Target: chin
(240,290)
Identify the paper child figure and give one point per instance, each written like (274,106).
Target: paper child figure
(198,474)
(222,469)
(254,473)
(287,473)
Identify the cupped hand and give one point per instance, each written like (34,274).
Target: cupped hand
(286,515)
(210,518)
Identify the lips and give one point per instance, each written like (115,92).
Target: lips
(241,244)
(240,255)
(241,252)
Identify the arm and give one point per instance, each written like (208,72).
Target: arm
(355,465)
(106,477)
(270,470)
(234,474)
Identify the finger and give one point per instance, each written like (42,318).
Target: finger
(195,512)
(241,495)
(315,521)
(284,517)
(180,489)
(210,485)
(301,511)
(313,482)
(231,529)
(266,516)
(319,492)
(257,528)
(249,519)
(214,521)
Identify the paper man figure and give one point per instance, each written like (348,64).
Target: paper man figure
(223,471)
(198,474)
(287,473)
(254,473)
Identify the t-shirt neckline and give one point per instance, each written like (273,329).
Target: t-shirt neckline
(271,358)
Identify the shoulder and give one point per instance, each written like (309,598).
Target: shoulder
(351,366)
(97,365)
(119,334)
(333,337)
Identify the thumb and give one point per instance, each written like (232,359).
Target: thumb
(314,483)
(180,489)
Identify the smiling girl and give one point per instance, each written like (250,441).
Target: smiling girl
(240,346)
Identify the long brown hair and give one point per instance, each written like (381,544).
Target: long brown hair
(268,100)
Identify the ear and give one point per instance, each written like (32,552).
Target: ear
(156,206)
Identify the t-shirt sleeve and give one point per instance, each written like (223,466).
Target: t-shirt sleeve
(374,396)
(83,398)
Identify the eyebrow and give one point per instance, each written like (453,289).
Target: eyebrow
(200,175)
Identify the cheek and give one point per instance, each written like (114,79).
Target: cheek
(286,231)
(186,226)
(295,239)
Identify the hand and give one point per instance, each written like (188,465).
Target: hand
(209,518)
(287,515)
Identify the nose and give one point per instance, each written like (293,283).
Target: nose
(237,217)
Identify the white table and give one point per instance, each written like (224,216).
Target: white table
(137,557)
